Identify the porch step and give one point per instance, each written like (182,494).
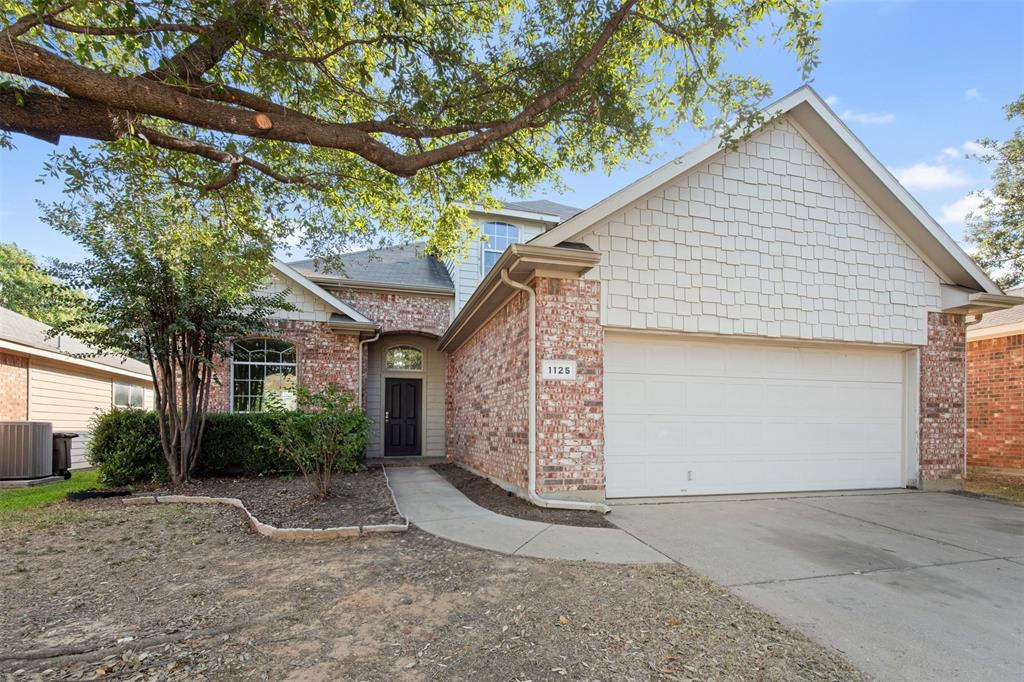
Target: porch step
(404,461)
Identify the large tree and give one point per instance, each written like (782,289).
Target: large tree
(997,229)
(173,275)
(27,288)
(386,115)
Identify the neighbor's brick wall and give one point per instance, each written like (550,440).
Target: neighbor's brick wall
(323,358)
(995,402)
(486,403)
(570,414)
(13,387)
(400,312)
(943,384)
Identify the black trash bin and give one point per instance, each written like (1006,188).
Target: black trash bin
(62,453)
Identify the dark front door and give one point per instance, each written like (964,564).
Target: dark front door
(402,417)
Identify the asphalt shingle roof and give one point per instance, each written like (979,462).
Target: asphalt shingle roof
(1000,317)
(19,329)
(404,265)
(563,211)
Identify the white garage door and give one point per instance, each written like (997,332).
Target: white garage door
(704,417)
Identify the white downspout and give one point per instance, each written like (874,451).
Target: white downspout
(362,345)
(532,414)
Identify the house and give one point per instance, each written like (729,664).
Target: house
(995,388)
(63,381)
(779,317)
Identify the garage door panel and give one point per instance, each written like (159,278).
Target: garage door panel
(714,417)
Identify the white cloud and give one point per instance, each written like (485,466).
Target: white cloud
(955,214)
(972,147)
(972,93)
(831,100)
(930,176)
(948,153)
(867,118)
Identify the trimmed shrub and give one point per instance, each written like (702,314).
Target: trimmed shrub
(125,446)
(326,434)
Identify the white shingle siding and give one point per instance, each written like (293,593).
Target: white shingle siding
(765,241)
(307,306)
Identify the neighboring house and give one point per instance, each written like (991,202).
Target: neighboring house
(63,381)
(995,388)
(780,317)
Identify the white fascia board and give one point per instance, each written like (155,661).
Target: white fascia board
(995,331)
(512,213)
(320,293)
(32,351)
(632,193)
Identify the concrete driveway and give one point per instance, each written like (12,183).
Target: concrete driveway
(908,585)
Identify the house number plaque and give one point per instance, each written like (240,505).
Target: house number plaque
(558,370)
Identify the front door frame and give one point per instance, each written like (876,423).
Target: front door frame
(420,416)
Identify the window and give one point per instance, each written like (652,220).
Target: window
(499,237)
(128,395)
(262,374)
(403,357)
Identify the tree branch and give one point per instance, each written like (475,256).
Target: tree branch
(143,96)
(123,30)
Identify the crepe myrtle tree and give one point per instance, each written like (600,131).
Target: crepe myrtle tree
(171,275)
(387,117)
(996,229)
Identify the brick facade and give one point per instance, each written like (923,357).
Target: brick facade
(488,396)
(995,402)
(570,414)
(323,357)
(943,392)
(486,402)
(401,312)
(13,387)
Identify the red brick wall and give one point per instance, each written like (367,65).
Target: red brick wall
(399,312)
(570,414)
(995,402)
(322,358)
(943,384)
(13,387)
(488,392)
(486,410)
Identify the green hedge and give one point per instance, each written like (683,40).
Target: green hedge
(125,446)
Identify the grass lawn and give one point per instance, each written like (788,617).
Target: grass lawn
(1006,485)
(19,503)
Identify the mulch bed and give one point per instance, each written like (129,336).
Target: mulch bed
(490,496)
(359,499)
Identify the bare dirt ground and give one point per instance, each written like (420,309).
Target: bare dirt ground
(490,496)
(284,501)
(203,598)
(1004,485)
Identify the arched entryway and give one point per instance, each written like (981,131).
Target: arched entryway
(405,396)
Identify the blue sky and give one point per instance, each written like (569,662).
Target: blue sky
(916,81)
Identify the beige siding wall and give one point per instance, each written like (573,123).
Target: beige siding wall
(307,306)
(467,273)
(433,392)
(768,240)
(70,396)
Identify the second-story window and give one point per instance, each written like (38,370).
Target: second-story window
(499,237)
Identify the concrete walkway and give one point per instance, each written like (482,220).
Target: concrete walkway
(433,504)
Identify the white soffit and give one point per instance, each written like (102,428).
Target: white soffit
(867,173)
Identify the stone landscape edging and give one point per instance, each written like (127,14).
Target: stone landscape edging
(273,532)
